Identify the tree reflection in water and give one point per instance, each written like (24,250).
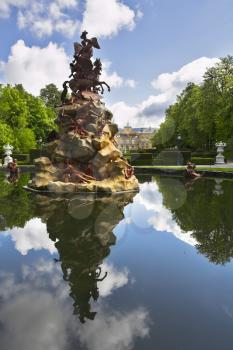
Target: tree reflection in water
(16,207)
(82,229)
(207,213)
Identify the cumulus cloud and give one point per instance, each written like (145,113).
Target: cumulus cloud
(33,236)
(149,112)
(167,85)
(35,67)
(7,5)
(191,72)
(35,307)
(36,303)
(114,280)
(159,217)
(44,17)
(113,78)
(107,17)
(115,331)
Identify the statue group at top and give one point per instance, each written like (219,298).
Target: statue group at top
(83,155)
(85,74)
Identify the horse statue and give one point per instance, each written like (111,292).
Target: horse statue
(86,79)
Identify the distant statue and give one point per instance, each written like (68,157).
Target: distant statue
(13,170)
(84,74)
(190,171)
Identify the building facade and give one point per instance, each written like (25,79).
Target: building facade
(130,138)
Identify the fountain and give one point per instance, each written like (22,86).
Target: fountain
(83,154)
(220,149)
(8,152)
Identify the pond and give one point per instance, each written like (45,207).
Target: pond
(147,270)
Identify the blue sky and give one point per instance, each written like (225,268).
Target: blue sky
(150,49)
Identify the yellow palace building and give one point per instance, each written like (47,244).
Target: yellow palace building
(130,138)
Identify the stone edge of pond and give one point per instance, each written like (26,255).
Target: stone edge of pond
(149,171)
(169,171)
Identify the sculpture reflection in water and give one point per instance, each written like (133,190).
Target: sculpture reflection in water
(207,213)
(83,231)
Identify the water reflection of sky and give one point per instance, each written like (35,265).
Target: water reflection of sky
(159,293)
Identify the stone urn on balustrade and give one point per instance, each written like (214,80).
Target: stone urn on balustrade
(8,149)
(220,149)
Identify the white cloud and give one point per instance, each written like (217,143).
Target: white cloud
(191,72)
(33,236)
(67,3)
(115,331)
(160,217)
(6,5)
(168,85)
(113,78)
(114,280)
(46,17)
(36,303)
(107,17)
(34,67)
(35,306)
(131,83)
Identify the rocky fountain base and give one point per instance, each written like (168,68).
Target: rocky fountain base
(83,154)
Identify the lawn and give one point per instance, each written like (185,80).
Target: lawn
(178,167)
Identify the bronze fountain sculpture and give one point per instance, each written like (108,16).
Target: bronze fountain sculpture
(83,155)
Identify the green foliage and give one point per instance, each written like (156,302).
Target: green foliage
(24,118)
(142,162)
(51,96)
(202,114)
(6,134)
(140,156)
(15,203)
(205,213)
(204,154)
(203,161)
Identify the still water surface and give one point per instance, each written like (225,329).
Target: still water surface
(151,270)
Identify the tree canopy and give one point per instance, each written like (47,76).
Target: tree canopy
(24,118)
(202,114)
(51,96)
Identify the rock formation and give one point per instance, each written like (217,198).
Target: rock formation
(83,154)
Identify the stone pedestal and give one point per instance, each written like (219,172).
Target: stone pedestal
(220,149)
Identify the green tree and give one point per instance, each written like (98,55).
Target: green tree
(202,114)
(41,118)
(24,118)
(6,134)
(51,96)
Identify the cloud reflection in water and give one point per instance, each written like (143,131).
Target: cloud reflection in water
(36,313)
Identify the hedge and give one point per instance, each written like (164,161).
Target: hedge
(203,161)
(204,154)
(141,156)
(142,162)
(22,158)
(35,153)
(173,157)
